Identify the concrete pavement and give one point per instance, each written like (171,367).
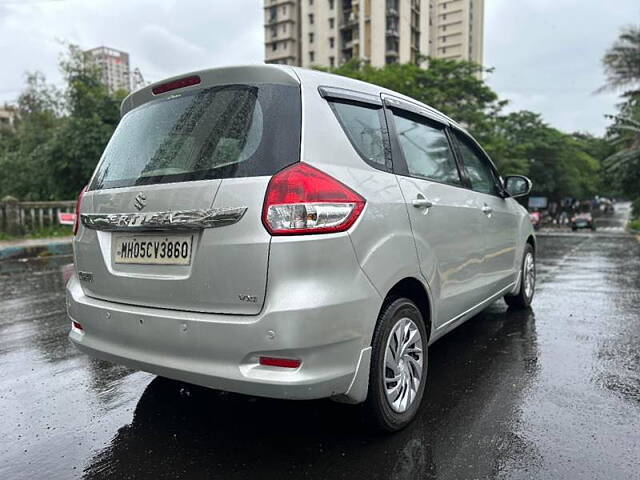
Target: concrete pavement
(36,247)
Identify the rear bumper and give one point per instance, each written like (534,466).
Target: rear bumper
(222,351)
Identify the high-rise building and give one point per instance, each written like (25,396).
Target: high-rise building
(114,67)
(457,29)
(282,31)
(331,32)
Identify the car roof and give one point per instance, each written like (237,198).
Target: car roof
(271,73)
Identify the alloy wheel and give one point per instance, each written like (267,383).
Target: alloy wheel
(403,364)
(529,274)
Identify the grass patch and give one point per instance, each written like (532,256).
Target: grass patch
(46,232)
(635,225)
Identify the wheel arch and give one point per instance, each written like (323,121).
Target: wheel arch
(414,290)
(531,240)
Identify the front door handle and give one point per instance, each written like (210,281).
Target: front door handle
(486,209)
(421,202)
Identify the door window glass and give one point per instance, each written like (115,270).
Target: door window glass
(426,150)
(477,168)
(364,129)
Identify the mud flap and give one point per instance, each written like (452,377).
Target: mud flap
(357,392)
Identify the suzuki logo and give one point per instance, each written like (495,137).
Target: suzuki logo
(140,201)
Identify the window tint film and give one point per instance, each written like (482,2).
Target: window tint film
(364,128)
(426,150)
(477,168)
(219,132)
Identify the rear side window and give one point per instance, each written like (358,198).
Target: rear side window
(426,150)
(363,126)
(476,167)
(220,132)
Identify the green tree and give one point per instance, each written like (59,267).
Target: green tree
(39,114)
(622,69)
(558,164)
(60,135)
(622,62)
(623,167)
(453,87)
(519,142)
(93,114)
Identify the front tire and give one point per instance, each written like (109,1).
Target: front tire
(523,298)
(398,366)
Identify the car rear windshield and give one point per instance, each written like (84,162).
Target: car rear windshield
(220,132)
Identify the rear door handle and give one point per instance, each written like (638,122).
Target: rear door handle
(421,202)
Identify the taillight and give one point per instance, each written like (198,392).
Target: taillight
(76,224)
(175,84)
(303,200)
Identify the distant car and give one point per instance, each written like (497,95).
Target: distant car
(535,218)
(287,233)
(582,220)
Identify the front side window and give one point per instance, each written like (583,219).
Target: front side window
(363,126)
(476,167)
(426,150)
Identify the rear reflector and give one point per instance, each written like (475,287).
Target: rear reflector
(174,85)
(76,325)
(280,362)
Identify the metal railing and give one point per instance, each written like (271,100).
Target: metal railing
(17,217)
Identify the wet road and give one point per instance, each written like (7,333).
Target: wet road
(549,393)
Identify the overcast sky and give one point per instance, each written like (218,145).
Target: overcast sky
(546,53)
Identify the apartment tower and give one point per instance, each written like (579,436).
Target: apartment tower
(114,67)
(331,32)
(457,30)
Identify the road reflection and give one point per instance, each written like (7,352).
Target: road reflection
(467,426)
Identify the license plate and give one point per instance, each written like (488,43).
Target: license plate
(153,249)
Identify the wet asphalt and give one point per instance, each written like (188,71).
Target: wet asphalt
(553,392)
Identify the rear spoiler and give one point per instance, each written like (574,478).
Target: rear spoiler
(250,74)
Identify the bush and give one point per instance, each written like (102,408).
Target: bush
(635,209)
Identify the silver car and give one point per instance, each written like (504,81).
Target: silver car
(288,233)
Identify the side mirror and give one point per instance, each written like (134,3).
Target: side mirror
(517,185)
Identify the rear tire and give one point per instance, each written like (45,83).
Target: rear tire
(399,350)
(523,298)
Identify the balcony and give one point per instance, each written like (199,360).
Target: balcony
(349,44)
(392,32)
(274,18)
(349,20)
